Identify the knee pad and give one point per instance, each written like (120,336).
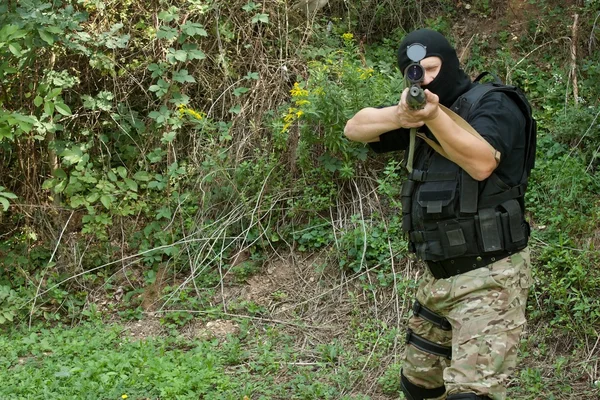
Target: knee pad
(467,396)
(414,392)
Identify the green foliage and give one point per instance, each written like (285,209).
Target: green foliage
(389,382)
(5,197)
(341,83)
(372,243)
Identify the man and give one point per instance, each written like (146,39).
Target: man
(463,212)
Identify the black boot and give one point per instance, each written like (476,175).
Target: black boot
(414,392)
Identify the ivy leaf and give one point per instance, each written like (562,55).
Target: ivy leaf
(262,18)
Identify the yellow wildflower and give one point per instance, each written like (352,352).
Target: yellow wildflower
(183,110)
(366,73)
(297,91)
(124,396)
(347,37)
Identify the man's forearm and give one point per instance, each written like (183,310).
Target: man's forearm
(469,152)
(369,123)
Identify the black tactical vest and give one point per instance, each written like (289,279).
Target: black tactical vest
(447,214)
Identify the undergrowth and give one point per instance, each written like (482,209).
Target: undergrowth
(153,158)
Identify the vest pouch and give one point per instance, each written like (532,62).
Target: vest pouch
(453,239)
(406,222)
(437,199)
(470,233)
(514,228)
(406,200)
(490,234)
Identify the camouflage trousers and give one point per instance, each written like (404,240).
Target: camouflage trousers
(486,308)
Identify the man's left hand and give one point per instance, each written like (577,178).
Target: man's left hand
(421,116)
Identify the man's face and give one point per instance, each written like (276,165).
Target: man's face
(432,66)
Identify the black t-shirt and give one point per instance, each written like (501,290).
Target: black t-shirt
(498,119)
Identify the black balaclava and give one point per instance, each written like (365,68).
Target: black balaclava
(451,81)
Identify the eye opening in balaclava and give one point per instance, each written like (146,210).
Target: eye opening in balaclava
(451,80)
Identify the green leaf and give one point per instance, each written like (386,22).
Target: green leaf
(49,108)
(182,76)
(164,213)
(111,176)
(180,55)
(166,32)
(196,54)
(15,48)
(250,6)
(235,109)
(8,195)
(252,75)
(239,91)
(59,173)
(92,197)
(63,109)
(122,172)
(46,37)
(193,53)
(5,205)
(72,156)
(48,184)
(262,18)
(62,185)
(131,184)
(142,176)
(53,93)
(167,16)
(77,201)
(168,137)
(194,29)
(106,201)
(38,101)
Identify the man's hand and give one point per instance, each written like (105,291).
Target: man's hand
(411,118)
